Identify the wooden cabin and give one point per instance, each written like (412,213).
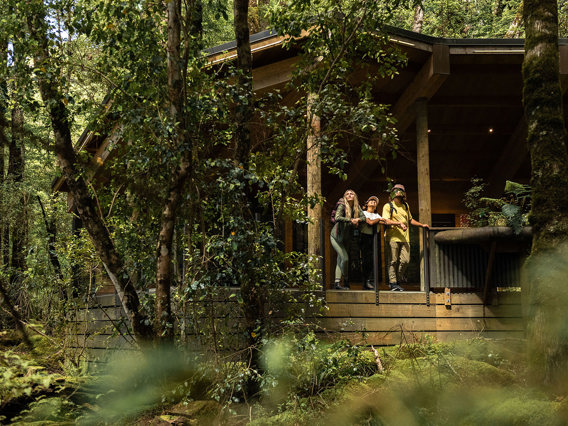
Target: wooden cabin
(458,104)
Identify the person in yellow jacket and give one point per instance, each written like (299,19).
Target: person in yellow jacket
(397,237)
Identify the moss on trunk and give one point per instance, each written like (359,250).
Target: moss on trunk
(545,294)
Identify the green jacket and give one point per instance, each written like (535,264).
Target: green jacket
(341,231)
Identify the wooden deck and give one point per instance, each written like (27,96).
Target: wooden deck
(353,315)
(405,316)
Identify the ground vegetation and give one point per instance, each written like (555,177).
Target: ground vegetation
(304,381)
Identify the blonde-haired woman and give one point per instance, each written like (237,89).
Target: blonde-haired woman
(347,217)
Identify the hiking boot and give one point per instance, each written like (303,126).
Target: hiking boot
(337,286)
(395,287)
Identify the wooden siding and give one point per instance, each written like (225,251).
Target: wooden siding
(354,315)
(401,317)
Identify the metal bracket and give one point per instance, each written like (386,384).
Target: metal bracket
(448,298)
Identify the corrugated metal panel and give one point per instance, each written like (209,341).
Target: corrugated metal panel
(465,266)
(459,266)
(507,271)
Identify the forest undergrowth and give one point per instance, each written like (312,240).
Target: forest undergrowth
(304,381)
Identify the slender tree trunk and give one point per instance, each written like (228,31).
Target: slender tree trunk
(51,229)
(82,200)
(252,294)
(244,108)
(16,175)
(177,64)
(418,19)
(546,287)
(4,230)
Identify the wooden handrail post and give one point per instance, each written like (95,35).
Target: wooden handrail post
(376,263)
(426,251)
(423,166)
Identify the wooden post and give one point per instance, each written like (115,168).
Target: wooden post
(330,258)
(288,236)
(423,166)
(313,185)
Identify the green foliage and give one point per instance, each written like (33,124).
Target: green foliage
(20,377)
(33,388)
(227,248)
(514,217)
(509,210)
(300,367)
(344,37)
(479,214)
(458,19)
(230,381)
(137,382)
(563,18)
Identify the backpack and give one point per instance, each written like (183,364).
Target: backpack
(337,204)
(393,209)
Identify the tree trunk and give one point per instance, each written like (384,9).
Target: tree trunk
(313,181)
(244,108)
(16,175)
(252,294)
(418,19)
(4,235)
(82,199)
(4,232)
(177,64)
(51,229)
(545,288)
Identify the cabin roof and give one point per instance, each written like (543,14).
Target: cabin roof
(473,89)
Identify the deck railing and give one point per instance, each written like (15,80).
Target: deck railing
(477,266)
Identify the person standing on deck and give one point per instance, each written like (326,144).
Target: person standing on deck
(397,238)
(347,217)
(366,228)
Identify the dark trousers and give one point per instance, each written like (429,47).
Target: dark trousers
(367,252)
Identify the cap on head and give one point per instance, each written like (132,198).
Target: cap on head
(372,197)
(398,191)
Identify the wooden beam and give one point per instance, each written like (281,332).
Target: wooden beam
(330,255)
(476,101)
(423,162)
(272,75)
(423,174)
(426,83)
(255,47)
(288,236)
